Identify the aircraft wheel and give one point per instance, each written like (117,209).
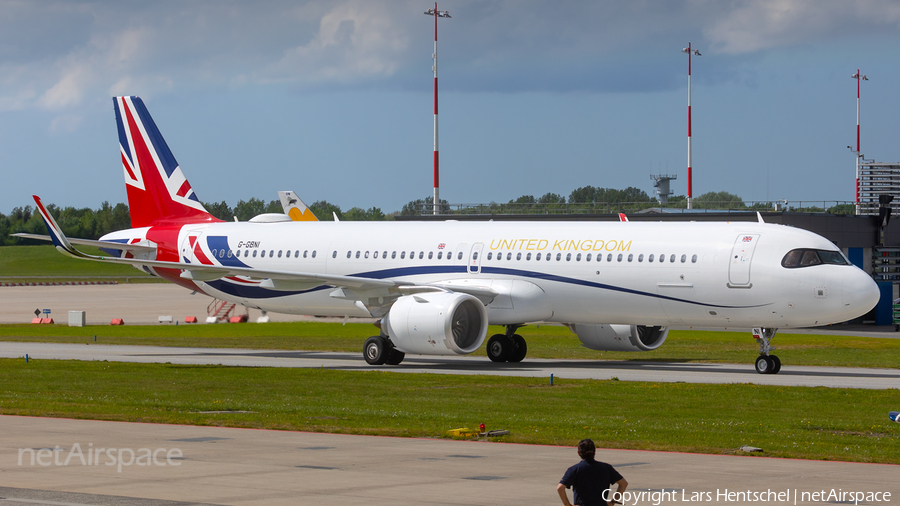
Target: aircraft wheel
(776,364)
(499,348)
(376,351)
(764,364)
(395,357)
(521,348)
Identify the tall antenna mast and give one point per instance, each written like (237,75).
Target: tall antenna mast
(690,196)
(435,13)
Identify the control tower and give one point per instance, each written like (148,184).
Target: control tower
(661,183)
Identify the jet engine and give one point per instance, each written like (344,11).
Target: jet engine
(603,337)
(436,323)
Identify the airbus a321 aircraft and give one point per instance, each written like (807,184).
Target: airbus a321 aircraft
(436,286)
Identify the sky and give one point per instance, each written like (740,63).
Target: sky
(333,99)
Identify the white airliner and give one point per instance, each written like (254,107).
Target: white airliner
(435,286)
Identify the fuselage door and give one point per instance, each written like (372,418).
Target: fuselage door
(739,263)
(475,258)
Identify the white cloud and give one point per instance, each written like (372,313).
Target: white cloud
(766,24)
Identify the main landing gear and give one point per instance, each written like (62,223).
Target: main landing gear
(766,363)
(378,350)
(509,347)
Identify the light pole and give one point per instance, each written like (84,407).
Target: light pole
(435,13)
(690,196)
(859,77)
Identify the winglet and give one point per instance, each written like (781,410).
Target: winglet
(759,217)
(56,234)
(622,217)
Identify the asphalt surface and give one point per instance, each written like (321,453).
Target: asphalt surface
(839,377)
(246,467)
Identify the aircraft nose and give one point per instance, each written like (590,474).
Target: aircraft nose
(860,293)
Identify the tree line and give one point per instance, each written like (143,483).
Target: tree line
(89,223)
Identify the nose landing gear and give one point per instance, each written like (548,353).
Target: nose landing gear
(766,363)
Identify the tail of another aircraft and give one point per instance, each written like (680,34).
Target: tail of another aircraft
(157,189)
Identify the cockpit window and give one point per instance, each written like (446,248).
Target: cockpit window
(807,257)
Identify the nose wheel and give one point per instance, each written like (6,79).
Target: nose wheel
(765,362)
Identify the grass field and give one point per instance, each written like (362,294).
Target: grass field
(543,342)
(44,263)
(813,423)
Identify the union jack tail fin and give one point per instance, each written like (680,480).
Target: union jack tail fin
(157,189)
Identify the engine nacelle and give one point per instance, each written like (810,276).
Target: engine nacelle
(437,323)
(603,337)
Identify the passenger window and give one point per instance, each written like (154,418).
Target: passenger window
(334,254)
(305,252)
(538,257)
(421,255)
(383,254)
(367,254)
(630,257)
(499,255)
(314,254)
(402,255)
(578,257)
(348,254)
(271,253)
(393,255)
(509,255)
(662,257)
(297,253)
(279,253)
(518,256)
(609,257)
(641,257)
(431,254)
(440,254)
(587,258)
(357,254)
(459,256)
(650,258)
(683,258)
(694,259)
(222,253)
(558,257)
(672,259)
(490,254)
(528,256)
(375,255)
(254,253)
(619,258)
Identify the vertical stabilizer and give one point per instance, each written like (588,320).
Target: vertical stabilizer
(157,189)
(295,208)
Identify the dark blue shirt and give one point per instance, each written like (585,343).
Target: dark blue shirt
(590,479)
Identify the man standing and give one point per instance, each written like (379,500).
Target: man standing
(591,479)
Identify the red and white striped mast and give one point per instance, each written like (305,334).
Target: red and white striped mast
(859,77)
(690,196)
(436,14)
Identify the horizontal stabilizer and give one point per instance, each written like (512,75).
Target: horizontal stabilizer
(135,248)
